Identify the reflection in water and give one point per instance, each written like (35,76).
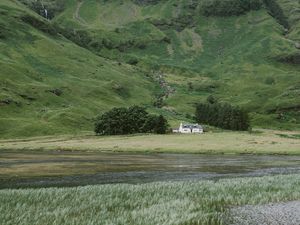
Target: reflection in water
(45,169)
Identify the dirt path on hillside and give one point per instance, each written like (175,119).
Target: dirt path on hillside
(76,15)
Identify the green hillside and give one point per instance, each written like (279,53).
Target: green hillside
(57,74)
(50,85)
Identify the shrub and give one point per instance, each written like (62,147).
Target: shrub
(270,81)
(5,30)
(146,2)
(121,90)
(229,7)
(135,119)
(56,91)
(132,61)
(277,12)
(41,25)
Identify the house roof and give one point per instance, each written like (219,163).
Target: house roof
(191,126)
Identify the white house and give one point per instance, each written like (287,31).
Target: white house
(189,129)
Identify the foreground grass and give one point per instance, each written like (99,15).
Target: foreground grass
(263,142)
(202,202)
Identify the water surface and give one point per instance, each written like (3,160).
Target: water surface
(64,168)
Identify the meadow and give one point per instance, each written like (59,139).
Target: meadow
(203,202)
(257,142)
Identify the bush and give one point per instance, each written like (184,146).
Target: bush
(132,61)
(40,24)
(222,115)
(146,2)
(270,81)
(135,119)
(277,12)
(229,7)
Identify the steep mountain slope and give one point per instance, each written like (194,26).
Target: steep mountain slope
(248,59)
(50,85)
(246,55)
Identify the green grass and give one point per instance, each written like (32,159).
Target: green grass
(203,202)
(293,136)
(33,63)
(291,10)
(231,58)
(265,142)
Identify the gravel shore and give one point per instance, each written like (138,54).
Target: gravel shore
(272,214)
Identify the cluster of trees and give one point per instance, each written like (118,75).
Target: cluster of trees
(130,120)
(229,7)
(222,115)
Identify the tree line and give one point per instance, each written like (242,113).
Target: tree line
(222,115)
(135,119)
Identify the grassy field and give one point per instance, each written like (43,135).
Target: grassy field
(258,142)
(204,202)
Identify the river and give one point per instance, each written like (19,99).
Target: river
(36,169)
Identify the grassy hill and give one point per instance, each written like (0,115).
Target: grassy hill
(57,74)
(50,85)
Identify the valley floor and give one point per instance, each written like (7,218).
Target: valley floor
(257,142)
(206,202)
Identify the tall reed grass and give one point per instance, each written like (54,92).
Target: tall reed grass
(201,202)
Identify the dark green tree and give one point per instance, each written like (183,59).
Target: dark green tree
(161,125)
(136,117)
(130,120)
(222,115)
